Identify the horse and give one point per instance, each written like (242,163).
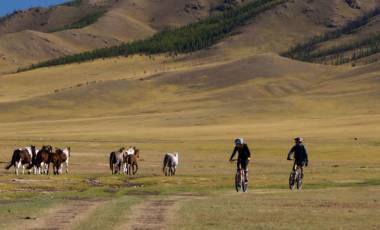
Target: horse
(130,151)
(58,157)
(67,152)
(170,164)
(131,160)
(21,157)
(43,159)
(116,159)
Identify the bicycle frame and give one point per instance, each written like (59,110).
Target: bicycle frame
(240,183)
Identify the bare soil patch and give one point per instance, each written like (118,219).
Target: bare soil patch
(63,217)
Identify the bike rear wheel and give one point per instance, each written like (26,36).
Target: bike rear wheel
(299,181)
(244,185)
(237,182)
(292,180)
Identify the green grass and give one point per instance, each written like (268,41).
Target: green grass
(189,38)
(110,213)
(328,209)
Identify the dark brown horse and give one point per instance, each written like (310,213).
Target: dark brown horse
(57,158)
(21,157)
(116,161)
(131,160)
(43,159)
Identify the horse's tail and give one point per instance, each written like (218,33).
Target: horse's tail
(111,159)
(165,163)
(13,161)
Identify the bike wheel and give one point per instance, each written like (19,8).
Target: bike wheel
(237,182)
(244,185)
(299,181)
(291,181)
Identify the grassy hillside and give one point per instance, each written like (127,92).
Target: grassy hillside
(189,38)
(342,51)
(83,22)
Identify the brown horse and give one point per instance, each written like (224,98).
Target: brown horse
(43,159)
(21,157)
(131,160)
(57,158)
(116,161)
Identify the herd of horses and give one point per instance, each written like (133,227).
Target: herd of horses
(37,161)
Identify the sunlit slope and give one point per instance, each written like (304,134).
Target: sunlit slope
(122,21)
(259,86)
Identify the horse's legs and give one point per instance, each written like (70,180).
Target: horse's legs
(17,166)
(67,166)
(135,169)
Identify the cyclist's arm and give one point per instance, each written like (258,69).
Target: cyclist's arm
(233,153)
(306,156)
(291,153)
(249,153)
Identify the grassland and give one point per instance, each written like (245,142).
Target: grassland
(191,105)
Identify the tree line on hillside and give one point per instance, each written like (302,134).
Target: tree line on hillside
(83,22)
(354,51)
(189,38)
(72,3)
(308,51)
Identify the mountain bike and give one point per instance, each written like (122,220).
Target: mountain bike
(240,183)
(295,178)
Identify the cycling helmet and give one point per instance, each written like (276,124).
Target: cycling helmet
(239,141)
(298,139)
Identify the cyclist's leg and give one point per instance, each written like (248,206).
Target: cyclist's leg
(301,167)
(245,168)
(294,166)
(238,165)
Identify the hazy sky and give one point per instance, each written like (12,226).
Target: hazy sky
(8,6)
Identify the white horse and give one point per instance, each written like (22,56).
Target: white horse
(130,151)
(170,164)
(67,153)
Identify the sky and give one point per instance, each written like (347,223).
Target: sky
(9,6)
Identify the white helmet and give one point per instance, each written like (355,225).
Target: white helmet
(239,141)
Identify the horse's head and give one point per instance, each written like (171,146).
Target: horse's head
(47,148)
(69,150)
(137,153)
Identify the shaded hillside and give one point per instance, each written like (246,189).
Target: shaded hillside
(291,23)
(356,41)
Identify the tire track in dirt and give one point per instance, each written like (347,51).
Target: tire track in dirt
(65,217)
(154,214)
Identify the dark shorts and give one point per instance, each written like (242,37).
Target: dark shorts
(243,163)
(300,164)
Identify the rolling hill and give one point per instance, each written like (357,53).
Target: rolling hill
(120,21)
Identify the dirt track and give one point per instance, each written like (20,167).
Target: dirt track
(64,217)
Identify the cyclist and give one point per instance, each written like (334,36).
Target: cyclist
(300,154)
(244,155)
